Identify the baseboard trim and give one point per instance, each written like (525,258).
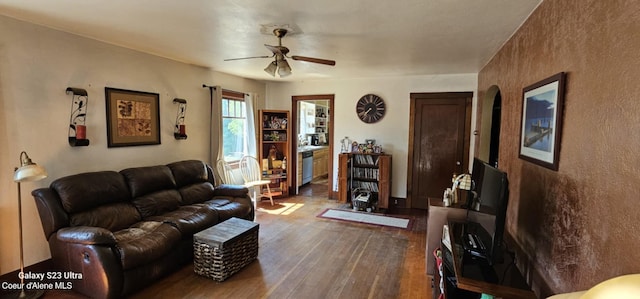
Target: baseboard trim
(398,202)
(527,267)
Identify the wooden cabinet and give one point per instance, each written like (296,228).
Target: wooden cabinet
(365,171)
(500,280)
(320,161)
(273,150)
(439,215)
(299,168)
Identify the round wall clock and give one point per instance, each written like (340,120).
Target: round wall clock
(370,108)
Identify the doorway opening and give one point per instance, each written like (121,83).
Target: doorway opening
(494,145)
(312,145)
(489,149)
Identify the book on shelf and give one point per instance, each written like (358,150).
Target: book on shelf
(371,186)
(365,160)
(366,173)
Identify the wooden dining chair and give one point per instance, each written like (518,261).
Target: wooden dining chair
(224,171)
(252,175)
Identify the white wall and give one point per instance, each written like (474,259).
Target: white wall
(392,132)
(37,64)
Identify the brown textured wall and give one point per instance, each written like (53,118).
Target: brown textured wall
(579,225)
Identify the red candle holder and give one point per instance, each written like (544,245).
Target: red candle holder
(81,132)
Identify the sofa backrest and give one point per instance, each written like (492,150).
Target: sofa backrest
(194,181)
(153,189)
(116,200)
(94,198)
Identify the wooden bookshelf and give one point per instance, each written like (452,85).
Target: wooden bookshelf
(275,142)
(365,171)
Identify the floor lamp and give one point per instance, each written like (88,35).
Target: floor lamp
(27,172)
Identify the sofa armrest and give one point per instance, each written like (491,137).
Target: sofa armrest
(86,235)
(239,194)
(231,190)
(101,267)
(52,214)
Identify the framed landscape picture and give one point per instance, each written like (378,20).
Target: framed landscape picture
(541,125)
(133,117)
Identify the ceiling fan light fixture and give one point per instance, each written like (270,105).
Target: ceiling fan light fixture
(271,68)
(283,68)
(284,73)
(280,64)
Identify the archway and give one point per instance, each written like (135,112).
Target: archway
(491,113)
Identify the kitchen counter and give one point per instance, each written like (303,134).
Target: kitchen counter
(309,148)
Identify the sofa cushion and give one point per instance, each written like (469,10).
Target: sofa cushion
(145,180)
(113,217)
(188,172)
(84,191)
(145,242)
(190,219)
(196,193)
(217,201)
(157,203)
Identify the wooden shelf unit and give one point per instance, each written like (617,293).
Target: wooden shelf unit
(463,277)
(368,171)
(273,150)
(438,215)
(322,117)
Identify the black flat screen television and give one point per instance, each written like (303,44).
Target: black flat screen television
(477,173)
(491,195)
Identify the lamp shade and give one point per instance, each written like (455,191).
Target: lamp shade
(28,171)
(271,68)
(283,68)
(463,181)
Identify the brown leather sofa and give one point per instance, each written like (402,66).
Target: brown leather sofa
(124,230)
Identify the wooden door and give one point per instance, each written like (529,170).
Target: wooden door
(438,143)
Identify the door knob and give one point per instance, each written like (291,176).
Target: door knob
(458,163)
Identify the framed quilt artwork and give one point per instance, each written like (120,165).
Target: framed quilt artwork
(133,117)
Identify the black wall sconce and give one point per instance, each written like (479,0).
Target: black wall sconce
(179,131)
(77,127)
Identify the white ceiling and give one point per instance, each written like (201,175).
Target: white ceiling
(365,37)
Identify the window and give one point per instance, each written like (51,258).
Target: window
(234,121)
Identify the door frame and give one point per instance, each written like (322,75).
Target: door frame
(294,142)
(412,116)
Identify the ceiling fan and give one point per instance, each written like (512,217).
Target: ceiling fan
(280,53)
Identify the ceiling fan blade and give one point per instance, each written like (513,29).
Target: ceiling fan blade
(314,60)
(274,49)
(265,56)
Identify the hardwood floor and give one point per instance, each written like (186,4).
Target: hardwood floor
(303,256)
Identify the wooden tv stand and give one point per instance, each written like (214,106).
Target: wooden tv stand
(438,216)
(465,277)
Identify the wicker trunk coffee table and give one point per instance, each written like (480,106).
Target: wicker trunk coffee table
(224,249)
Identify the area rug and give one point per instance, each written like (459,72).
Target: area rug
(368,218)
